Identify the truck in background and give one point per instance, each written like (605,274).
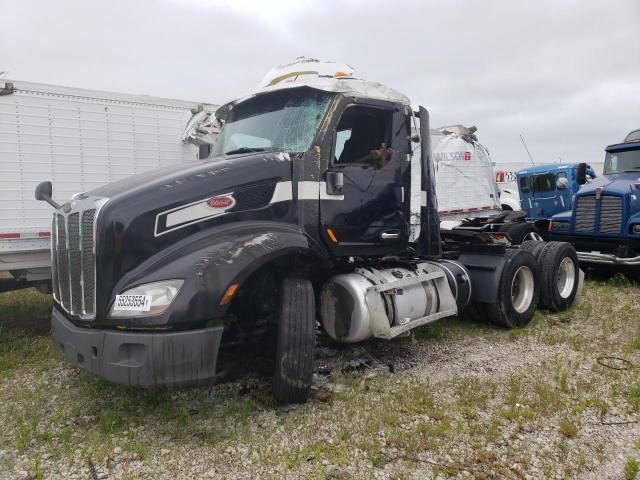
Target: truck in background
(604,221)
(305,201)
(465,183)
(81,139)
(545,190)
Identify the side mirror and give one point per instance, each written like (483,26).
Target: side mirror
(335,183)
(581,174)
(43,193)
(562,183)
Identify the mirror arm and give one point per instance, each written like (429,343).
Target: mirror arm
(51,202)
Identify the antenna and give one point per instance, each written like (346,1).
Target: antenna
(525,147)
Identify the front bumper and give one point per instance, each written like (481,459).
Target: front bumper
(143,359)
(607,259)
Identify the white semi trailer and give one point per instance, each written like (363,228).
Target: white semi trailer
(81,139)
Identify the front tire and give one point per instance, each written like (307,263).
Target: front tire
(518,291)
(559,274)
(295,341)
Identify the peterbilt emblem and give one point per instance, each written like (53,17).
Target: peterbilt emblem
(598,193)
(194,212)
(220,202)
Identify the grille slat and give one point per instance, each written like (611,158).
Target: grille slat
(585,214)
(75,273)
(610,214)
(88,261)
(73,262)
(54,257)
(63,263)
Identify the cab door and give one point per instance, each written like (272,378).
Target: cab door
(364,199)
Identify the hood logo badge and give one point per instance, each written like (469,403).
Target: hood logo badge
(220,202)
(598,193)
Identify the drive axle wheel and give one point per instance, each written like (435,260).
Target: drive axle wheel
(559,274)
(518,291)
(533,246)
(296,338)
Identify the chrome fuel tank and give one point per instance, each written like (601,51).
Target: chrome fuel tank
(384,303)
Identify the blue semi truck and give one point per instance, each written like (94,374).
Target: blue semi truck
(604,221)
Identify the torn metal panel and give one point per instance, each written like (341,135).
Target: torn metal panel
(326,76)
(202,128)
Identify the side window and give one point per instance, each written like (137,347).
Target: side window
(544,183)
(560,175)
(363,136)
(524,184)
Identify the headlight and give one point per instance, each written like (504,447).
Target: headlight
(636,228)
(560,226)
(145,300)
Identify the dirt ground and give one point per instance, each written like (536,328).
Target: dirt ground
(458,399)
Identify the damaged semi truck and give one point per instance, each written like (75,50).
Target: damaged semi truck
(301,214)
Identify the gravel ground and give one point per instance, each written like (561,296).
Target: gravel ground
(455,400)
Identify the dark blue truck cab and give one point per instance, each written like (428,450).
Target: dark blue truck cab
(298,220)
(604,223)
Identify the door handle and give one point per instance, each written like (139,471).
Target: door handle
(390,235)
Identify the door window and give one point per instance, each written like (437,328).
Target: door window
(524,184)
(544,183)
(363,136)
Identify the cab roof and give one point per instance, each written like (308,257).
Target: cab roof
(545,168)
(326,76)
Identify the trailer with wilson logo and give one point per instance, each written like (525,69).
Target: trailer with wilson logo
(82,139)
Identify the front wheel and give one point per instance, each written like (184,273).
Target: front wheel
(518,291)
(295,341)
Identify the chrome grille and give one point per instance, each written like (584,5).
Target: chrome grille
(88,259)
(62,263)
(585,213)
(610,214)
(73,266)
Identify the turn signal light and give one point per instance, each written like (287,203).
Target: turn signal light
(332,236)
(228,295)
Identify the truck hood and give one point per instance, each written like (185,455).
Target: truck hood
(619,183)
(147,213)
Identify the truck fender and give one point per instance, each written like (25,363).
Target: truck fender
(485,272)
(210,263)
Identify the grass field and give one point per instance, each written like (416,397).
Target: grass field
(546,401)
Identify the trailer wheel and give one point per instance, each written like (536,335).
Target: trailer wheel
(518,291)
(533,246)
(295,341)
(559,274)
(520,232)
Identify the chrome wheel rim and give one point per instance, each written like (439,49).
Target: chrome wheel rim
(532,236)
(522,288)
(566,277)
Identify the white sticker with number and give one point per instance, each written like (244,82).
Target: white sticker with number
(132,303)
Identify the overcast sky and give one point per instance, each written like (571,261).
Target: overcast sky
(565,75)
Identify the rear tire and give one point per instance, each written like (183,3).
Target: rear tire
(533,246)
(518,291)
(520,232)
(295,341)
(559,275)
